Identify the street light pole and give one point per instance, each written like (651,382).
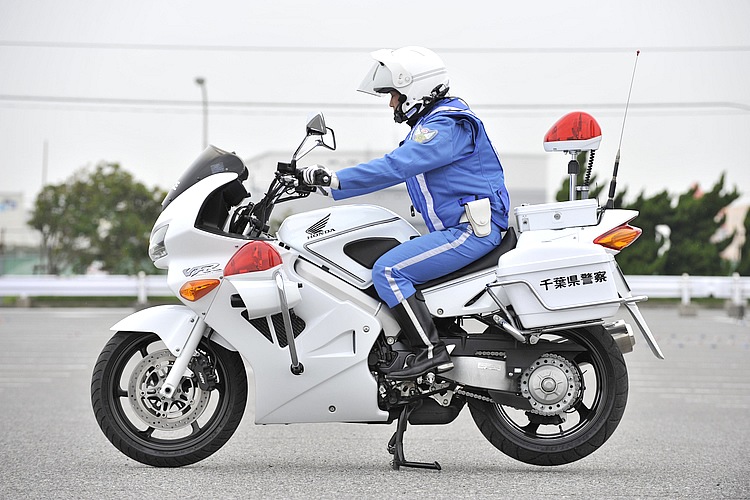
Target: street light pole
(202,84)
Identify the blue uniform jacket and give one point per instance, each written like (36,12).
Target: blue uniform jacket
(446,160)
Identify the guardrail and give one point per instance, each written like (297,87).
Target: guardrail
(140,287)
(685,287)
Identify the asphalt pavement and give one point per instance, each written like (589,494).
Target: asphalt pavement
(685,433)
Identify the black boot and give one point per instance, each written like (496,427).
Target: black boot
(415,320)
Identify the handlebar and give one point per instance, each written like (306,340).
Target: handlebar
(286,185)
(289,176)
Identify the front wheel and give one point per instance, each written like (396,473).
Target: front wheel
(202,416)
(577,398)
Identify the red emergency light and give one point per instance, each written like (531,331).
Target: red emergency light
(576,131)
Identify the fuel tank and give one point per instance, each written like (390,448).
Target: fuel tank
(346,239)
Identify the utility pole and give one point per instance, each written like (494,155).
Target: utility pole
(43,250)
(201,82)
(45,159)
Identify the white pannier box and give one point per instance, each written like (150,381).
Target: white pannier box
(558,215)
(557,284)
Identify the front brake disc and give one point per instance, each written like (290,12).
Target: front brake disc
(187,405)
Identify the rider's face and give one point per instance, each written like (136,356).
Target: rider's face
(395,94)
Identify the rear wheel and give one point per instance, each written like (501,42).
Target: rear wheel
(195,423)
(577,401)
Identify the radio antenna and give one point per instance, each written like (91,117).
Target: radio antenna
(613,182)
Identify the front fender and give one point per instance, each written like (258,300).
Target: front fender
(172,323)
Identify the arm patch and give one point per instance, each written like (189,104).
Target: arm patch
(424,135)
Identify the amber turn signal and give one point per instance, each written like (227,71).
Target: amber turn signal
(619,237)
(197,289)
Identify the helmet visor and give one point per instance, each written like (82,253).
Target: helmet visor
(377,81)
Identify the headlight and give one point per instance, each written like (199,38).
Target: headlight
(156,248)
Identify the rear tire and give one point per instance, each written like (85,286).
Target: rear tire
(600,389)
(165,433)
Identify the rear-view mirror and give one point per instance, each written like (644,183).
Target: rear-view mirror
(316,125)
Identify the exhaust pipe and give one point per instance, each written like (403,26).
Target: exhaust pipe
(623,335)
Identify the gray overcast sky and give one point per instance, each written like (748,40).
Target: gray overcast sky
(114,81)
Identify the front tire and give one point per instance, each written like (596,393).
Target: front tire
(598,380)
(165,433)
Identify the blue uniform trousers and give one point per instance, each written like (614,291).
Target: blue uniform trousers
(428,257)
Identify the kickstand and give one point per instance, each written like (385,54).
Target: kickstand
(396,444)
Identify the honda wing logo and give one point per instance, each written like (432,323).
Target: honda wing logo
(318,228)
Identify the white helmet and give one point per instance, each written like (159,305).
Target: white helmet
(415,72)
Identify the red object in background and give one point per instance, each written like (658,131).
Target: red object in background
(576,131)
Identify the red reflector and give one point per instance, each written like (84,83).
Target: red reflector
(254,256)
(576,131)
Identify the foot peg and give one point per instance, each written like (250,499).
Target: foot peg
(396,443)
(445,367)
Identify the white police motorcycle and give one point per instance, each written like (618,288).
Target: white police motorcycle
(536,360)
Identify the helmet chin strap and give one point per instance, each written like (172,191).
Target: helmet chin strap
(417,110)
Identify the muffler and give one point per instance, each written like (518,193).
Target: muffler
(623,335)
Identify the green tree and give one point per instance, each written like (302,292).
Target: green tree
(101,216)
(692,219)
(694,222)
(648,255)
(743,266)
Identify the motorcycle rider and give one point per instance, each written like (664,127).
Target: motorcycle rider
(455,181)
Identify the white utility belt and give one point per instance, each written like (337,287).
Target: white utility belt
(478,213)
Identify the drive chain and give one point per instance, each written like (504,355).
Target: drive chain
(472,395)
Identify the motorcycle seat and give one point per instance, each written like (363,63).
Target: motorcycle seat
(366,252)
(489,261)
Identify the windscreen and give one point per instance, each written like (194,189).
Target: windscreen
(211,161)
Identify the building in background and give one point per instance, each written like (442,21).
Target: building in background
(526,179)
(14,230)
(19,243)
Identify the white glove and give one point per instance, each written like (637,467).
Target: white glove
(318,175)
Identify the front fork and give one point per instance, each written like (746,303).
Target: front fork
(179,368)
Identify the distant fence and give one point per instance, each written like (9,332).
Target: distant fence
(685,287)
(735,288)
(141,287)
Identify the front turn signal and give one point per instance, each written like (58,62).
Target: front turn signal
(197,289)
(619,237)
